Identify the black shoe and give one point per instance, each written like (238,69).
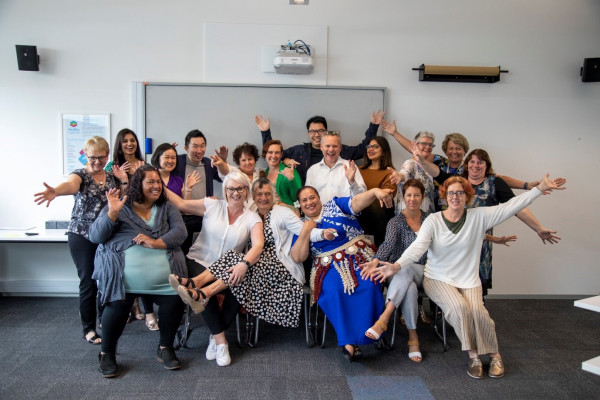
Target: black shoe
(168,358)
(346,353)
(108,365)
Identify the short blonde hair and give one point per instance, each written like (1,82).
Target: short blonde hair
(96,143)
(458,139)
(237,176)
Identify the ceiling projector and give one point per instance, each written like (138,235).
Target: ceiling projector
(294,59)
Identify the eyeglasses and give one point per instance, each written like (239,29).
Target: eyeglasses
(316,131)
(94,159)
(153,182)
(373,146)
(458,193)
(232,190)
(426,144)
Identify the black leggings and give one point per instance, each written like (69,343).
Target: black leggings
(83,252)
(114,319)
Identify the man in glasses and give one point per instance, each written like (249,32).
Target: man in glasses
(304,155)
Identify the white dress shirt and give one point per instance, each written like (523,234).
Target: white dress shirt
(332,182)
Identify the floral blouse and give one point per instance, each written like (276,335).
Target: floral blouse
(398,237)
(89,200)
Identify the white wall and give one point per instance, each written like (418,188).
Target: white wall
(539,118)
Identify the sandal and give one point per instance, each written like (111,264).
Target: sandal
(347,354)
(357,352)
(415,356)
(94,339)
(152,324)
(176,281)
(187,296)
(424,318)
(137,310)
(371,333)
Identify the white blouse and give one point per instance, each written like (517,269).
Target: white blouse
(218,236)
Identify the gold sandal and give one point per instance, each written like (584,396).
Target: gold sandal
(372,334)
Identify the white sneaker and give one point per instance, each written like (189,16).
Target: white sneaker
(223,358)
(211,351)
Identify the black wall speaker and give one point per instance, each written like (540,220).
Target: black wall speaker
(591,70)
(27,57)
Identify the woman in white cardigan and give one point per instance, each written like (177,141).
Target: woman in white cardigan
(453,240)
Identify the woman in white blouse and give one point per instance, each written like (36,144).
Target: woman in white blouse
(227,226)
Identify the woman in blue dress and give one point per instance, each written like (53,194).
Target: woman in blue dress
(352,304)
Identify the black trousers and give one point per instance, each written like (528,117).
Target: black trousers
(83,252)
(218,319)
(193,223)
(114,319)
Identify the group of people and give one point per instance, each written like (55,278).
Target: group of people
(313,215)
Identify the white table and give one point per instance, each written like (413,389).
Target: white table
(593,304)
(32,265)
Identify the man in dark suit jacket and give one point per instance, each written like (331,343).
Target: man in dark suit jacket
(194,160)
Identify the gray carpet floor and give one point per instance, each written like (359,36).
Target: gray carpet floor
(543,342)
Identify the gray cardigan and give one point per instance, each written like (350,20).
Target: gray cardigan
(115,237)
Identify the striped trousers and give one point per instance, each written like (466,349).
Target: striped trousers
(464,310)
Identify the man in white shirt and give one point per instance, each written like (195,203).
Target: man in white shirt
(333,176)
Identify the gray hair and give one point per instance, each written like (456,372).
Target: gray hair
(426,134)
(260,182)
(239,177)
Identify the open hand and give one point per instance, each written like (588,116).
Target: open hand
(262,123)
(350,171)
(377,117)
(47,195)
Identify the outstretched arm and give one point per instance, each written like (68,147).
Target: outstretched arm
(363,200)
(265,127)
(70,186)
(192,207)
(390,129)
(531,221)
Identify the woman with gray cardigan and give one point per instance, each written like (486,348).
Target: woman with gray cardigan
(139,237)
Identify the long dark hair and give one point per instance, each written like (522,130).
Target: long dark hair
(135,192)
(386,154)
(118,156)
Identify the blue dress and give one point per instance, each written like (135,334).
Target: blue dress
(351,303)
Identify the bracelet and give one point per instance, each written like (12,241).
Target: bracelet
(188,189)
(125,183)
(247,263)
(525,185)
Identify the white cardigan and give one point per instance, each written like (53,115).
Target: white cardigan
(454,258)
(285,224)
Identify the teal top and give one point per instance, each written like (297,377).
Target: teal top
(285,188)
(147,270)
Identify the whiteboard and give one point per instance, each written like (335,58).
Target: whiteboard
(166,112)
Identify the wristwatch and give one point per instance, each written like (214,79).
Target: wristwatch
(247,263)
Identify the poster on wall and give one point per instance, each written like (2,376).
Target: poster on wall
(76,129)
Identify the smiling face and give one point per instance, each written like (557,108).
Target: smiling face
(235,192)
(247,163)
(263,197)
(331,147)
(96,160)
(374,151)
(476,168)
(456,197)
(196,149)
(151,186)
(455,153)
(129,145)
(273,155)
(310,203)
(315,132)
(425,145)
(413,198)
(168,160)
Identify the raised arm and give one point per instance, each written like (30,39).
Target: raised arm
(390,129)
(265,127)
(426,164)
(357,152)
(365,199)
(301,247)
(68,187)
